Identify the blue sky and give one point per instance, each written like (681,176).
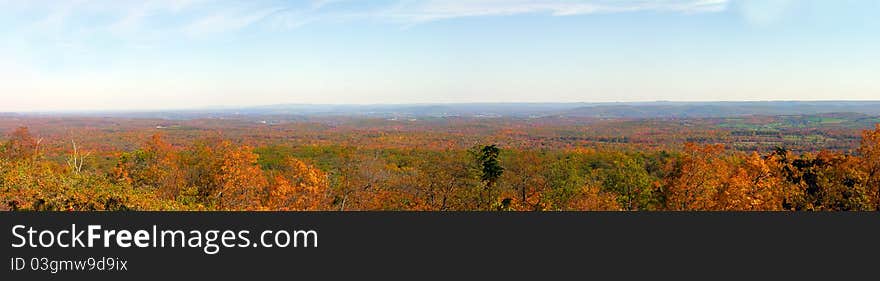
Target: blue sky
(165,54)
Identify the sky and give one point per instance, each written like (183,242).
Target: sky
(175,54)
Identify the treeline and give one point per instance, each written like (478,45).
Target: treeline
(214,173)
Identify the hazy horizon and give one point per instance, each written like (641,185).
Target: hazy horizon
(365,104)
(651,109)
(63,56)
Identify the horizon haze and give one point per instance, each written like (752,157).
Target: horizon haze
(605,110)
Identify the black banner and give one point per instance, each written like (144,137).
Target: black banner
(413,246)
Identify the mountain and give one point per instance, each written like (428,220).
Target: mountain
(722,109)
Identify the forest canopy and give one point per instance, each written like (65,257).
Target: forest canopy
(153,169)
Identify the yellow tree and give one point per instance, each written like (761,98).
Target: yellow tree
(592,198)
(298,186)
(224,175)
(696,180)
(240,179)
(156,166)
(869,154)
(360,179)
(442,182)
(752,186)
(525,182)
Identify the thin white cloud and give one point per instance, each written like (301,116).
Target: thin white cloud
(149,24)
(228,21)
(211,16)
(429,10)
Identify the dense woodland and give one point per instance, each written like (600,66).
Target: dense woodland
(503,164)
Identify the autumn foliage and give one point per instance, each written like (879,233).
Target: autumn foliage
(214,172)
